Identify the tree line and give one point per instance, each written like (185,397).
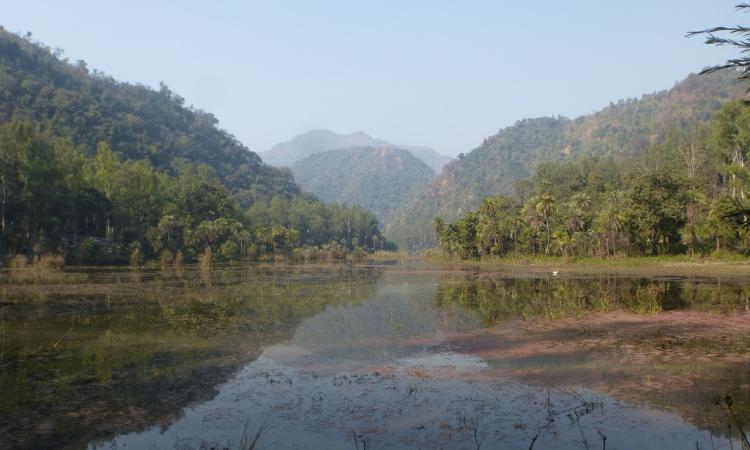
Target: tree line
(103,209)
(685,195)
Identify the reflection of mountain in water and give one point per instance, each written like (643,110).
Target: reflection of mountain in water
(400,318)
(408,368)
(114,357)
(83,361)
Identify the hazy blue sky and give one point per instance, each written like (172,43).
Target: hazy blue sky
(439,73)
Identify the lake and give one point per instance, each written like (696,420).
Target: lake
(401,355)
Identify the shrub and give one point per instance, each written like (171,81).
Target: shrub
(229,250)
(359,254)
(136,256)
(205,260)
(49,262)
(166,259)
(178,260)
(18,262)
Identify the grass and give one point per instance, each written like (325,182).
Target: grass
(673,263)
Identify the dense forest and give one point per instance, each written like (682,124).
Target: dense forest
(379,179)
(318,141)
(139,123)
(685,194)
(105,172)
(623,130)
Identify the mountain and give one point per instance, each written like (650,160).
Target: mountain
(317,141)
(103,172)
(621,130)
(379,179)
(67,100)
(434,160)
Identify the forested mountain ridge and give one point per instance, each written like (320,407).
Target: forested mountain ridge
(379,179)
(628,127)
(140,123)
(621,130)
(318,141)
(103,172)
(684,195)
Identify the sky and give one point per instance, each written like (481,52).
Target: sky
(445,74)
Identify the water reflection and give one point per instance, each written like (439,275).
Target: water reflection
(499,298)
(674,344)
(321,356)
(83,360)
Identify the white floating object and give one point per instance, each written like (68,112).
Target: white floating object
(554,273)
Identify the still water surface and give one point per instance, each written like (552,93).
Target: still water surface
(373,356)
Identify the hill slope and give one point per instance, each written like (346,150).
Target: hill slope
(103,172)
(621,130)
(140,123)
(434,160)
(380,179)
(317,141)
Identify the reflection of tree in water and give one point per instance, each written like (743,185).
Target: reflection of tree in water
(704,376)
(116,357)
(498,299)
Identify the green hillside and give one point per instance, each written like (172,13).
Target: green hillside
(379,179)
(140,123)
(621,130)
(101,171)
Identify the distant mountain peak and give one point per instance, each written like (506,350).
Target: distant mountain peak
(379,178)
(361,135)
(322,140)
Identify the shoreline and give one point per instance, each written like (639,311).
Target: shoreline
(625,266)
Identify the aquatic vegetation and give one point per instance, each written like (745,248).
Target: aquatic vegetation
(136,256)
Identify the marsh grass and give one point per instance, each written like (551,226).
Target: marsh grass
(136,257)
(646,300)
(178,260)
(328,252)
(41,268)
(166,260)
(206,259)
(248,441)
(580,408)
(397,254)
(359,255)
(670,261)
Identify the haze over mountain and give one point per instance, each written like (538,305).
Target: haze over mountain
(621,130)
(316,141)
(379,179)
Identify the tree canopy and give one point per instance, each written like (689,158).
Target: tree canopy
(679,197)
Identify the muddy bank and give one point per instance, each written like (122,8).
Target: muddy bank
(686,362)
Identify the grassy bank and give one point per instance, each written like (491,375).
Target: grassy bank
(677,264)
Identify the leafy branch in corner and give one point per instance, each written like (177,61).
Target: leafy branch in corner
(737,36)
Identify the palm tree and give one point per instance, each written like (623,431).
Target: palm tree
(545,206)
(564,241)
(515,226)
(579,203)
(612,219)
(438,224)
